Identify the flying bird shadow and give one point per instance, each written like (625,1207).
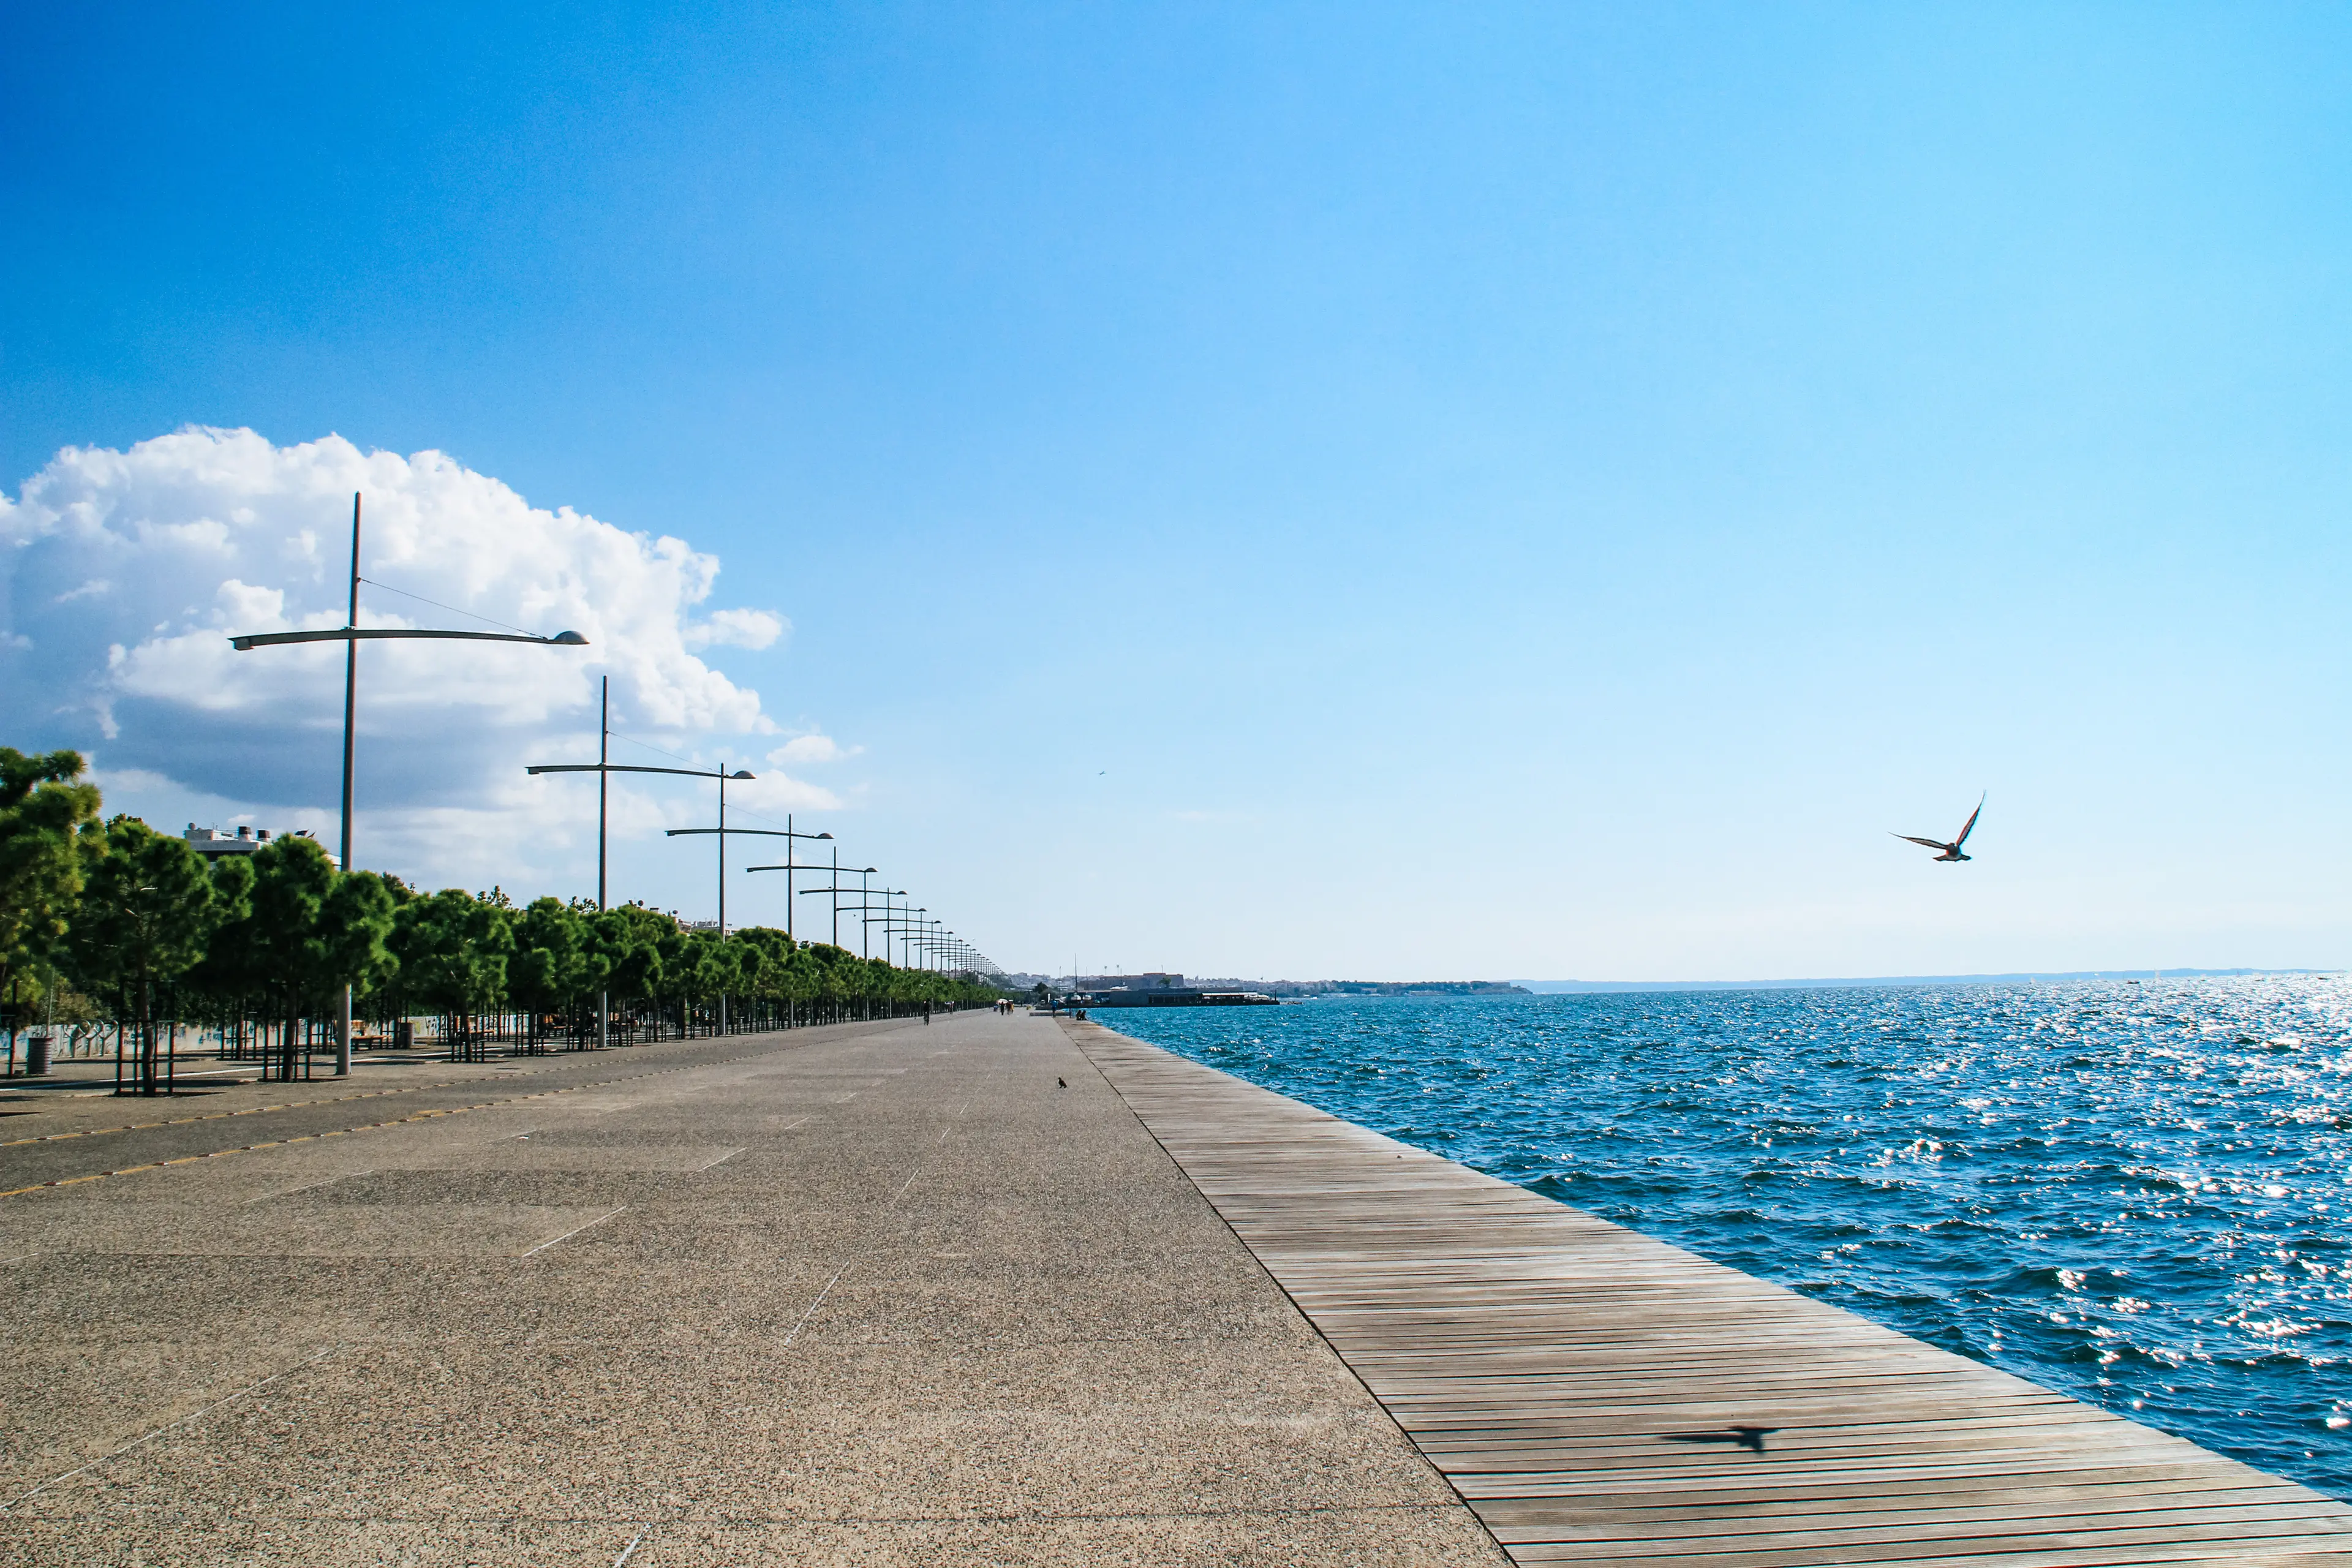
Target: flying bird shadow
(1748,1437)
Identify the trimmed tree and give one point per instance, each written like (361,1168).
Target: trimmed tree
(146,916)
(48,839)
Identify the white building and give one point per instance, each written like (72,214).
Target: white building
(213,845)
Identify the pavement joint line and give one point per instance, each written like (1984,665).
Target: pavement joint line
(575,1230)
(369,1127)
(631,1549)
(874,1245)
(812,1306)
(308,1361)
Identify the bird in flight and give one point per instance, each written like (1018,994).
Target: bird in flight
(1951,852)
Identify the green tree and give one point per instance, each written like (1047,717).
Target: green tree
(628,943)
(146,915)
(699,971)
(228,981)
(283,945)
(48,839)
(355,926)
(453,949)
(550,957)
(307,932)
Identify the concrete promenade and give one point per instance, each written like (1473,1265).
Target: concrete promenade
(864,1294)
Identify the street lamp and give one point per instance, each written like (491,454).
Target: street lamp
(350,635)
(722,774)
(602,768)
(837,890)
(883,919)
(889,923)
(722,830)
(787,867)
(906,932)
(899,925)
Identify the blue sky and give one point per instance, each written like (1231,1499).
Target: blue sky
(1302,490)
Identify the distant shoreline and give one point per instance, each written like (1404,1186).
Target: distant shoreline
(1574,987)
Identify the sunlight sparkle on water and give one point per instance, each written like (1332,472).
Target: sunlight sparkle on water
(2122,1191)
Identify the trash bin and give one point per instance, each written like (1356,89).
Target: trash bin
(403,1035)
(36,1056)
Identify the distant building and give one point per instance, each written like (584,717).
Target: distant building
(1154,981)
(1158,990)
(213,845)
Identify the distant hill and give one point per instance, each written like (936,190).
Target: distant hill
(1561,987)
(1371,987)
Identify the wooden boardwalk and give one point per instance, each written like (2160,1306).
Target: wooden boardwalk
(1599,1396)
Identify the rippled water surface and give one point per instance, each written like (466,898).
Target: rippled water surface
(2134,1193)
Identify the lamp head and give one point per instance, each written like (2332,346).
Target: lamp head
(738,774)
(569,639)
(824,836)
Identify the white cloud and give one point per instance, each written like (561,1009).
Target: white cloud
(113,780)
(781,792)
(103,554)
(742,628)
(811,749)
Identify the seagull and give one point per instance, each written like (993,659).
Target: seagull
(1951,852)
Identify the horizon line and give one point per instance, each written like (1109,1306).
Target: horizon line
(2184,972)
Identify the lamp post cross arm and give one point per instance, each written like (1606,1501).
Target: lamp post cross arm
(624,768)
(748,833)
(387,634)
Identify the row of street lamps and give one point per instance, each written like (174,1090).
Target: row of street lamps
(927,941)
(351,636)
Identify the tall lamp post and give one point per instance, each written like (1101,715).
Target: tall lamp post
(899,923)
(350,635)
(762,833)
(890,920)
(907,938)
(722,830)
(837,870)
(882,919)
(837,890)
(602,768)
(789,866)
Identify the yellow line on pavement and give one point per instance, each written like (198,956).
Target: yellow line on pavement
(368,1127)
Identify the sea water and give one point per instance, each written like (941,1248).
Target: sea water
(2134,1193)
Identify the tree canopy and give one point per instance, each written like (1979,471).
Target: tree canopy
(48,817)
(138,924)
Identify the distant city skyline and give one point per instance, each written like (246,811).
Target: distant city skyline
(1387,492)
